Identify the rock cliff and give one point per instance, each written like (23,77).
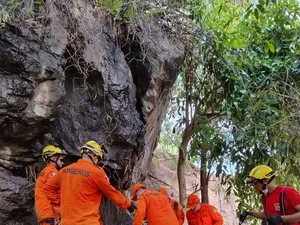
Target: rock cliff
(70,74)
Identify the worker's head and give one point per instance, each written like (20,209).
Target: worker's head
(137,190)
(193,202)
(54,155)
(260,177)
(163,190)
(92,150)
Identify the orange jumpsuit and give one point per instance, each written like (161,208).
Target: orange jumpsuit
(43,207)
(82,185)
(177,208)
(155,208)
(207,215)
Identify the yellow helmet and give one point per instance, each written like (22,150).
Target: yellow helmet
(92,146)
(51,150)
(259,173)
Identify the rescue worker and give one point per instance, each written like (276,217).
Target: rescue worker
(281,204)
(200,213)
(82,185)
(152,206)
(176,206)
(47,213)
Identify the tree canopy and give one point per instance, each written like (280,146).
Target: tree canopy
(244,87)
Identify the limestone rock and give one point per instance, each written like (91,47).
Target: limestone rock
(67,76)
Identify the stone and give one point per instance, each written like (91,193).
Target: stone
(66,77)
(16,200)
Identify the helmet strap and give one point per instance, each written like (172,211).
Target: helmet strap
(90,157)
(265,189)
(89,153)
(55,161)
(47,159)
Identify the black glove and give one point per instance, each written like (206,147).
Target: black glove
(264,221)
(48,220)
(243,216)
(132,207)
(274,220)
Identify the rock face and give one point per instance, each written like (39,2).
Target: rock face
(16,200)
(71,75)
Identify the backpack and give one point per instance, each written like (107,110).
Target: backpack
(281,202)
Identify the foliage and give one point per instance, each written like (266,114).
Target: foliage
(15,10)
(252,53)
(262,74)
(169,141)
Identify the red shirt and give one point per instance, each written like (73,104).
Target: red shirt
(271,201)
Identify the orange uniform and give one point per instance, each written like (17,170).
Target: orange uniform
(207,215)
(43,207)
(155,208)
(177,208)
(82,185)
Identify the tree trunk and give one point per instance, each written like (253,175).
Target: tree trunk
(203,177)
(181,174)
(191,120)
(187,135)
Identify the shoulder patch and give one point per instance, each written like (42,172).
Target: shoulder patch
(52,174)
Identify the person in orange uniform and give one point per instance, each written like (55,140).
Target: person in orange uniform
(152,206)
(82,185)
(201,214)
(176,206)
(47,213)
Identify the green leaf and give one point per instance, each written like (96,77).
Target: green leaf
(271,47)
(266,47)
(261,8)
(256,13)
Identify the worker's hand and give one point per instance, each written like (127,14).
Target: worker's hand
(243,216)
(274,220)
(50,221)
(132,207)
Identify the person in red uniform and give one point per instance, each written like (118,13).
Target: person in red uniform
(47,213)
(176,206)
(275,211)
(152,206)
(200,213)
(82,185)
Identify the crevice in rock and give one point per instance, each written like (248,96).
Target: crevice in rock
(22,172)
(82,78)
(138,64)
